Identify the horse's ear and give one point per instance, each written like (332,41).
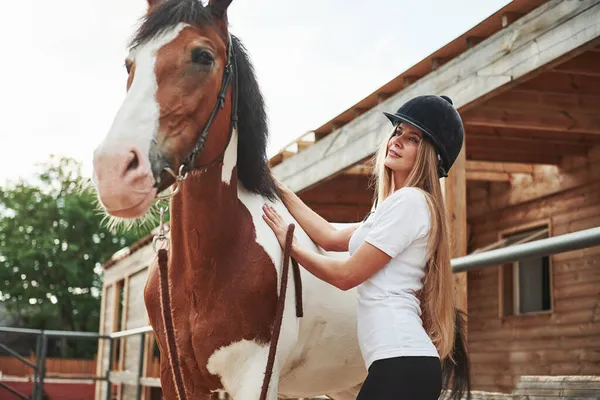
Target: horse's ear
(218,8)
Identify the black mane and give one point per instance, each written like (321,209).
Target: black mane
(252,163)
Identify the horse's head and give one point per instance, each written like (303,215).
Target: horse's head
(177,66)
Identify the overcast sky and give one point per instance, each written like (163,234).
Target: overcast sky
(62,77)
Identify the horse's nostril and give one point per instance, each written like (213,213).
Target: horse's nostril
(134,163)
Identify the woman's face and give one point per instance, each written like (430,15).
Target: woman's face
(402,148)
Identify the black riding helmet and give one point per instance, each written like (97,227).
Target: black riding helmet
(439,121)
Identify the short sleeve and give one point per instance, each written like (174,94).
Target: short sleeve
(399,220)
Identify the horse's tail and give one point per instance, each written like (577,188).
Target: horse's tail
(456,369)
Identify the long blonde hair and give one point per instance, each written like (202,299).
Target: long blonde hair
(437,296)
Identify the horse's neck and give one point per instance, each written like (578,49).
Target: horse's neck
(205,214)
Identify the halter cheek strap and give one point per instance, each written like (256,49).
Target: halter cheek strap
(230,72)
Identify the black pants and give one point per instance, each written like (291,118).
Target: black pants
(414,378)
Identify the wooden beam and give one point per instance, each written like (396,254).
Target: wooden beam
(510,17)
(409,80)
(102,343)
(383,96)
(583,175)
(547,33)
(455,197)
(359,170)
(475,171)
(559,82)
(438,62)
(536,135)
(488,176)
(524,143)
(547,120)
(304,144)
(514,156)
(534,99)
(473,41)
(509,168)
(587,64)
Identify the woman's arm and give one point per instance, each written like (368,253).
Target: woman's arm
(343,274)
(320,231)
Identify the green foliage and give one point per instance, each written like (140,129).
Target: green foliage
(53,240)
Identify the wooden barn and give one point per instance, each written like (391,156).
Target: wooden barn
(526,81)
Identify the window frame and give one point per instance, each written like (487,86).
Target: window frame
(502,268)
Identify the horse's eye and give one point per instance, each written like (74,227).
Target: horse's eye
(202,57)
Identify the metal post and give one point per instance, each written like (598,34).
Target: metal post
(43,365)
(110,356)
(13,391)
(16,355)
(36,370)
(138,395)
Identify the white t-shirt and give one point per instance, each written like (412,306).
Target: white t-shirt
(389,314)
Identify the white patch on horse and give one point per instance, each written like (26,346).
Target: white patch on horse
(136,122)
(230,158)
(318,353)
(241,366)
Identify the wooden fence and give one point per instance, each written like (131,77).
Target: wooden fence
(10,366)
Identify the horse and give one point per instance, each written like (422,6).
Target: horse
(193,121)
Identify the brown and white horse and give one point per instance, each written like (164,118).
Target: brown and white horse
(193,105)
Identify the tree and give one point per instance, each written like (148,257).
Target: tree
(53,239)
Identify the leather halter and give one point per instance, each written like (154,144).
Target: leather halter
(229,72)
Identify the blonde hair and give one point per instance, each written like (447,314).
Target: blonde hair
(437,296)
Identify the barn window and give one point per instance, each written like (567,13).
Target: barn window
(525,285)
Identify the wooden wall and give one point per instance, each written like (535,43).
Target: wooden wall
(123,309)
(565,341)
(11,366)
(344,198)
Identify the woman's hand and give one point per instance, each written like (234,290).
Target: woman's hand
(284,189)
(277,224)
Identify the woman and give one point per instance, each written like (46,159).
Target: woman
(399,256)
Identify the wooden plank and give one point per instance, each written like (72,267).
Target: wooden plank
(359,170)
(488,176)
(151,382)
(512,155)
(510,17)
(123,341)
(555,146)
(472,41)
(587,329)
(557,207)
(509,168)
(545,100)
(102,343)
(138,261)
(536,190)
(558,82)
(533,42)
(586,64)
(455,197)
(545,120)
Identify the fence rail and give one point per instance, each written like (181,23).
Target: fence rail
(11,366)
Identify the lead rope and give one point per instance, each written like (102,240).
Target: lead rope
(280,306)
(165,298)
